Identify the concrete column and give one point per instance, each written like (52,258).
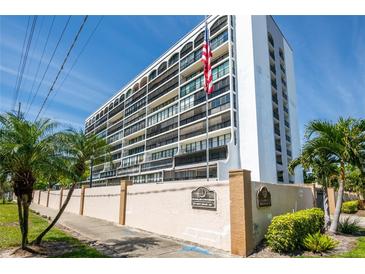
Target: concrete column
(82,199)
(331,199)
(241,212)
(123,200)
(49,190)
(61,197)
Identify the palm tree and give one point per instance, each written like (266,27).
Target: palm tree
(323,168)
(27,150)
(81,148)
(345,142)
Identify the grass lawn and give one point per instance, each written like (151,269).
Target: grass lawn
(357,252)
(10,235)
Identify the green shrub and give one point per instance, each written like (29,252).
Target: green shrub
(349,225)
(287,232)
(350,207)
(318,242)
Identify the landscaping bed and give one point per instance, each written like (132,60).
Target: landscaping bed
(57,243)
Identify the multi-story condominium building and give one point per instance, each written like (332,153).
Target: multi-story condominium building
(156,124)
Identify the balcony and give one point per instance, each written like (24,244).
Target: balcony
(276,115)
(272,54)
(286,110)
(277,131)
(287,124)
(275,98)
(288,138)
(273,69)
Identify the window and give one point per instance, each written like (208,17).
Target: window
(162,68)
(220,70)
(219,104)
(162,127)
(134,128)
(199,39)
(162,115)
(218,24)
(270,39)
(143,82)
(162,140)
(164,154)
(152,75)
(219,40)
(192,115)
(186,49)
(174,58)
(192,86)
(141,103)
(192,100)
(220,121)
(136,87)
(133,160)
(135,150)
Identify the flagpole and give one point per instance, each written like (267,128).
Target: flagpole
(206,115)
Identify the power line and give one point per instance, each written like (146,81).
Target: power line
(40,62)
(75,61)
(25,59)
(63,64)
(21,61)
(50,60)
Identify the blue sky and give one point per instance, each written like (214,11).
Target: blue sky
(329,63)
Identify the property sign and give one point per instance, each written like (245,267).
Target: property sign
(203,198)
(263,197)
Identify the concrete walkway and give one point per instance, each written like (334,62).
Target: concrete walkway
(121,241)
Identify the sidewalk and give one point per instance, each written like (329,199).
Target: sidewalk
(120,241)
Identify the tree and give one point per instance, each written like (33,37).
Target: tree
(27,150)
(323,168)
(80,149)
(345,142)
(5,186)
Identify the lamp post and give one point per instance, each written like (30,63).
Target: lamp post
(91,171)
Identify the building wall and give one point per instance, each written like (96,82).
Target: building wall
(285,198)
(74,203)
(54,199)
(166,209)
(102,203)
(43,200)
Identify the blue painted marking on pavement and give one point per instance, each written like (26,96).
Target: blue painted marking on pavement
(187,248)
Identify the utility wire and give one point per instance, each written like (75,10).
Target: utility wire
(74,63)
(50,61)
(25,59)
(20,62)
(62,66)
(33,50)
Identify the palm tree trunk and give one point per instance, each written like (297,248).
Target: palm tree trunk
(25,221)
(21,220)
(336,215)
(327,217)
(38,240)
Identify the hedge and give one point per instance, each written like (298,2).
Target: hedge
(287,232)
(350,207)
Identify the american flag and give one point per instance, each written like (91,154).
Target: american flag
(206,56)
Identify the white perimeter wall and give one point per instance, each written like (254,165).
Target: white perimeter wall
(74,203)
(98,205)
(43,200)
(284,198)
(166,209)
(54,199)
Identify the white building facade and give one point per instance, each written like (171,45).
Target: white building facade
(156,124)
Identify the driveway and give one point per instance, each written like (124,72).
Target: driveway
(121,241)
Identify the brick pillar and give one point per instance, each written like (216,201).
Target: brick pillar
(331,199)
(241,212)
(39,196)
(49,190)
(123,200)
(82,199)
(61,197)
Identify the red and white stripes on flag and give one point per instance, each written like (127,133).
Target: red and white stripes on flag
(206,58)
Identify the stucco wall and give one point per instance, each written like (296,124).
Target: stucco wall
(74,204)
(43,200)
(166,209)
(98,205)
(35,196)
(54,199)
(284,198)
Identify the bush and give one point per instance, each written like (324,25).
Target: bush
(318,242)
(350,207)
(286,232)
(349,225)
